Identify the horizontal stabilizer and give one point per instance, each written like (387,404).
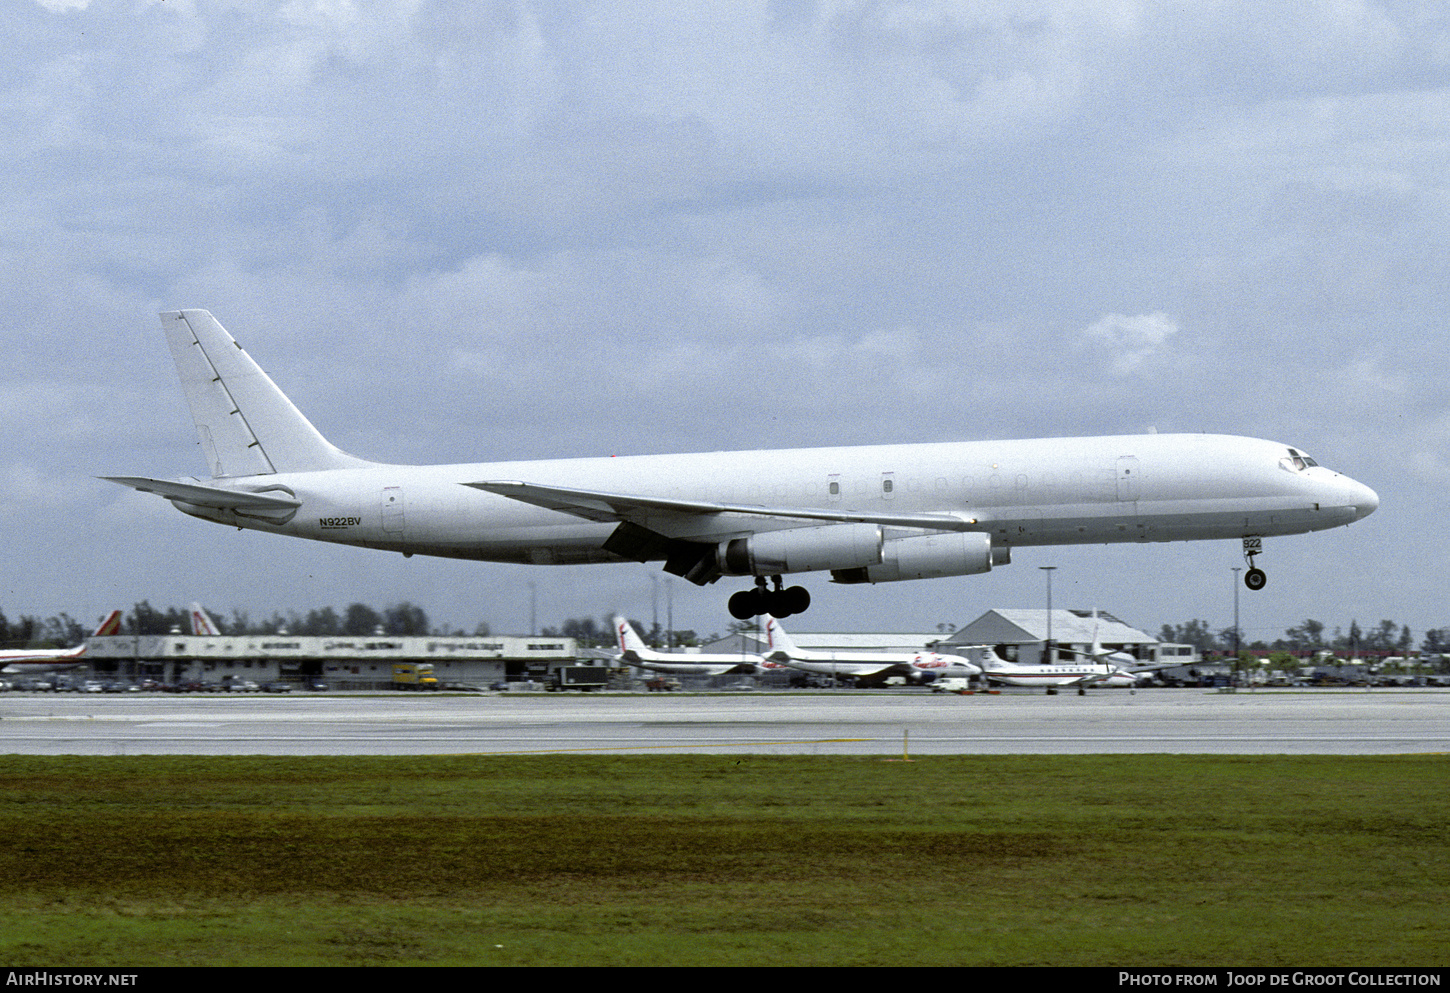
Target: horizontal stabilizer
(208,496)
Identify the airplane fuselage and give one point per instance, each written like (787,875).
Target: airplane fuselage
(1135,488)
(40,662)
(1062,675)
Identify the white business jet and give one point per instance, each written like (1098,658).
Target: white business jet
(633,651)
(915,667)
(875,514)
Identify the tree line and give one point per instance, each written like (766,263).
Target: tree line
(143,619)
(1311,636)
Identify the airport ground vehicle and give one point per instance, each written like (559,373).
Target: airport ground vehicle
(578,677)
(414,676)
(951,684)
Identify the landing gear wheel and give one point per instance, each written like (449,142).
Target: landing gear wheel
(783,603)
(743,605)
(778,602)
(1255,578)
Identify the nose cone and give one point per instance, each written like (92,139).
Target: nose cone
(1364,500)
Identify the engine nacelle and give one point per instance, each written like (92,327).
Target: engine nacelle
(832,546)
(929,556)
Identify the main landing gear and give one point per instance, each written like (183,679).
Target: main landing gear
(779,602)
(1255,578)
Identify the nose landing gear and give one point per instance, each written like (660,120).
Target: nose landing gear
(1255,578)
(779,602)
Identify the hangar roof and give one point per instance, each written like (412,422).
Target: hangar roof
(1069,627)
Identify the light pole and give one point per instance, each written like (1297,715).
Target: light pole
(1048,653)
(1236,570)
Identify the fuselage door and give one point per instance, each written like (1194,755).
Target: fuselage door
(392,505)
(1128,478)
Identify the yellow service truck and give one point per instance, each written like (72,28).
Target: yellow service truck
(414,676)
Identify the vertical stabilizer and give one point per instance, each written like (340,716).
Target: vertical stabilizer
(110,625)
(246,424)
(780,642)
(201,622)
(631,645)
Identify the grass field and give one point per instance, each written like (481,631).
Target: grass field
(725,860)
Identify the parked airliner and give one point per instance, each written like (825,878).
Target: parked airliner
(868,667)
(35,661)
(873,514)
(633,651)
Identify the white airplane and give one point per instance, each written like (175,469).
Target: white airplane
(633,651)
(202,624)
(872,514)
(28,661)
(1081,675)
(864,666)
(1105,668)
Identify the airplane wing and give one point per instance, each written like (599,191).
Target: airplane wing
(658,512)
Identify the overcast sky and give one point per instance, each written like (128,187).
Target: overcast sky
(460,230)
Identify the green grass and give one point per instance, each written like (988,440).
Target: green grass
(697,860)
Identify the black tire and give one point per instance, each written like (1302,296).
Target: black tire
(1255,579)
(798,598)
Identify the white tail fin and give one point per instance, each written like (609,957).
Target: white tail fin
(780,641)
(630,643)
(202,624)
(246,424)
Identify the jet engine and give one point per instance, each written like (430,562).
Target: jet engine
(831,546)
(929,556)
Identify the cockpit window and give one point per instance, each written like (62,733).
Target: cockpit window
(1297,461)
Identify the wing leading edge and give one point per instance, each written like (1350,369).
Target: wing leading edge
(595,505)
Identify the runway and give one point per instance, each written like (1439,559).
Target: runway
(1300,722)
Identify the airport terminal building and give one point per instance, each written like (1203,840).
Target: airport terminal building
(341,661)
